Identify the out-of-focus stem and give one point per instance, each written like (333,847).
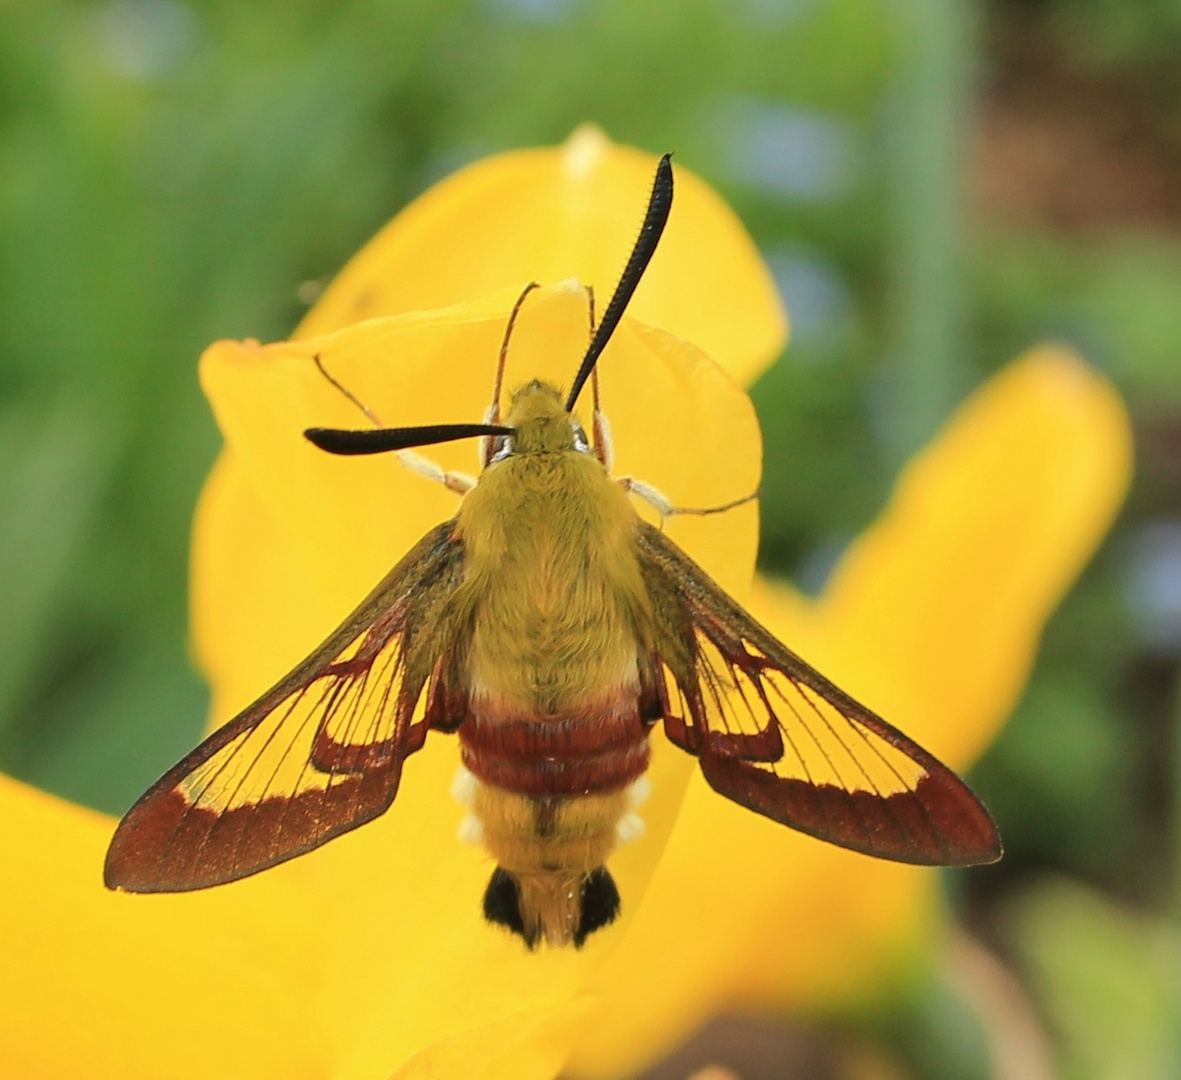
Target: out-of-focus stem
(929,119)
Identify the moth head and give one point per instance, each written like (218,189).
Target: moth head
(540,423)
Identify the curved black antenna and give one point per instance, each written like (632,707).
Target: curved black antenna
(659,204)
(351,443)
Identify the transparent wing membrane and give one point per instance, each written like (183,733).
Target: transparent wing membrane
(761,714)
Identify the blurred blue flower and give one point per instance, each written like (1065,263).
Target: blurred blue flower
(788,150)
(1152,583)
(812,289)
(536,11)
(146,39)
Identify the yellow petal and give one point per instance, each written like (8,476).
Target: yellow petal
(571,211)
(932,618)
(144,988)
(941,604)
(268,978)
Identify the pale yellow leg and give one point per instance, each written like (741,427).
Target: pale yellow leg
(663,505)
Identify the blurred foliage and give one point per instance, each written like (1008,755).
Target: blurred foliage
(1105,976)
(172,172)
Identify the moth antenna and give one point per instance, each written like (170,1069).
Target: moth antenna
(369,413)
(655,218)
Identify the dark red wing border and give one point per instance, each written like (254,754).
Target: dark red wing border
(168,845)
(940,823)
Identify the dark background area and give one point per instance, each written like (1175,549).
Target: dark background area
(935,185)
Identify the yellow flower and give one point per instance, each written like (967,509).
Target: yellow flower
(368,958)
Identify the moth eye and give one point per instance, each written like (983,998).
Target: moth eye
(580,441)
(502,447)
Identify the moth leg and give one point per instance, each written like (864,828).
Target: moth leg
(370,415)
(664,507)
(458,482)
(604,450)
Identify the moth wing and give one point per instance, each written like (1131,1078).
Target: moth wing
(318,754)
(777,737)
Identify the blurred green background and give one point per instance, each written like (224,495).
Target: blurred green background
(936,185)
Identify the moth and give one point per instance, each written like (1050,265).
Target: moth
(550,628)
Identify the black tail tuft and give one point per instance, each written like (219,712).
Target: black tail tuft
(502,904)
(600,904)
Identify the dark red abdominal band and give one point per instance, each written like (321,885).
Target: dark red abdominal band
(567,754)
